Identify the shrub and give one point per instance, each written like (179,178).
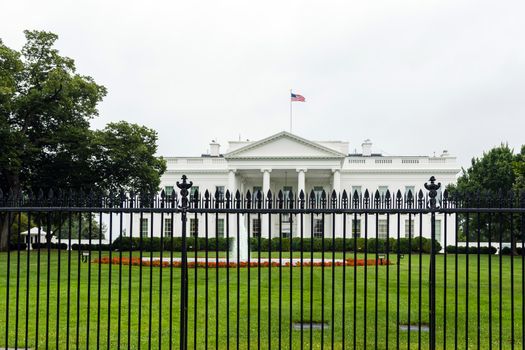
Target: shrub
(62,246)
(471,250)
(17,246)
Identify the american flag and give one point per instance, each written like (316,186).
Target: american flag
(297,98)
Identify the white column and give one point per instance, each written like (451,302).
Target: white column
(301,186)
(266,188)
(336,185)
(232,183)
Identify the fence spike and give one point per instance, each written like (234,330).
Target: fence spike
(312,199)
(333,199)
(248,200)
(387,198)
(206,199)
(344,199)
(377,199)
(269,199)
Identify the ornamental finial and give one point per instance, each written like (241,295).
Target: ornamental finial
(432,188)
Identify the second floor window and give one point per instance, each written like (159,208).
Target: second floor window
(220,191)
(193,191)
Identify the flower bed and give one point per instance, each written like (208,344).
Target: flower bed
(254,263)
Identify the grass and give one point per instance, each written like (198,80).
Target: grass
(141,306)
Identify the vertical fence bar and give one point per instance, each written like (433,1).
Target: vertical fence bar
(28,274)
(184,186)
(432,188)
(17,290)
(99,280)
(302,206)
(141,242)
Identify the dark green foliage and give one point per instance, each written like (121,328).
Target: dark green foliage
(17,246)
(508,251)
(45,136)
(471,250)
(157,244)
(43,246)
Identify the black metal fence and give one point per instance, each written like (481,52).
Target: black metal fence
(242,271)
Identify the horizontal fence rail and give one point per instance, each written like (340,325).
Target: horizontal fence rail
(260,270)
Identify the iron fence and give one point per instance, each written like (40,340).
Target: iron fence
(253,270)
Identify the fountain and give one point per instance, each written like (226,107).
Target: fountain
(241,244)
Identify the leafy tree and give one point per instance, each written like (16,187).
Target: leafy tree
(124,158)
(45,139)
(494,174)
(80,225)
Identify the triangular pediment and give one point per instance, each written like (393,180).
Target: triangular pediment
(284,145)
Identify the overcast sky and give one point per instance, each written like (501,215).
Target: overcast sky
(416,77)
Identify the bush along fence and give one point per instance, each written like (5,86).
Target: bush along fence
(101,296)
(156,244)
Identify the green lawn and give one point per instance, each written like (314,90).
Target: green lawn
(152,299)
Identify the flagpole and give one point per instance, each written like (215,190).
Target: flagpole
(290,111)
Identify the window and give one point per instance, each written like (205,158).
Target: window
(168,190)
(356,228)
(144,227)
(437,226)
(220,191)
(411,189)
(318,190)
(382,190)
(318,228)
(286,225)
(220,227)
(167,227)
(287,192)
(193,190)
(409,228)
(382,229)
(255,190)
(194,227)
(256,227)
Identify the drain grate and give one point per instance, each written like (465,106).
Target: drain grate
(414,327)
(307,325)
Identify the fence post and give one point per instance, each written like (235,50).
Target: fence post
(184,186)
(432,188)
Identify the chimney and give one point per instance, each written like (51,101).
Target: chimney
(214,148)
(367,148)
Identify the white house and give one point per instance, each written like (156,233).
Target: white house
(287,162)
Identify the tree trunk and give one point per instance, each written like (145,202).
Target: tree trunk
(13,182)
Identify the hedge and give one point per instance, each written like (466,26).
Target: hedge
(169,244)
(51,246)
(507,250)
(470,250)
(373,245)
(17,246)
(93,247)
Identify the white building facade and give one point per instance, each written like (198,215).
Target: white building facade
(290,163)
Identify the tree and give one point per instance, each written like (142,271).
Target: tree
(494,174)
(125,158)
(45,139)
